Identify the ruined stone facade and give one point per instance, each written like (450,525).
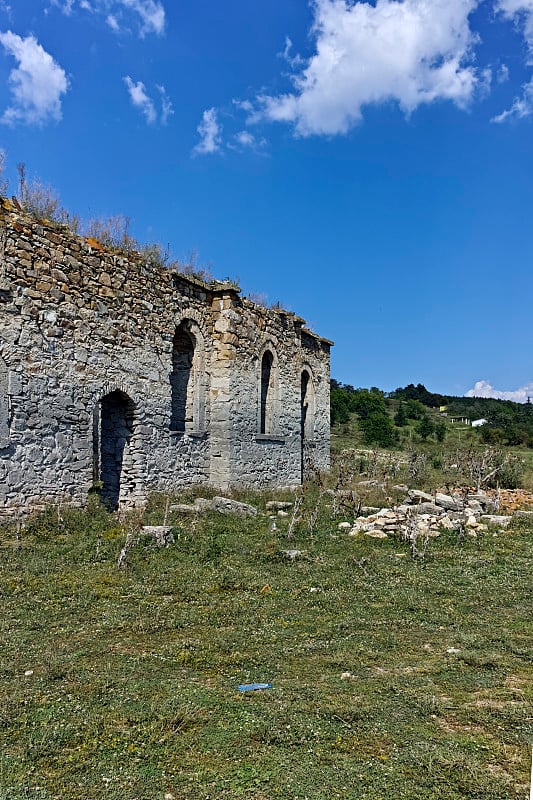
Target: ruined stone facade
(130,378)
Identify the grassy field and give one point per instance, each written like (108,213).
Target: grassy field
(392,677)
(458,438)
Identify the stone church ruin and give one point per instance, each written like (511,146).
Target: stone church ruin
(127,378)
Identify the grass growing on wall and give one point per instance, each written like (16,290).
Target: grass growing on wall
(123,684)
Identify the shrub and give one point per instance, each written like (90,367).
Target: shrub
(378,429)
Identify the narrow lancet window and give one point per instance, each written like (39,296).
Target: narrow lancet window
(183,381)
(267,393)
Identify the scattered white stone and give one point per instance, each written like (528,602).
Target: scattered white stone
(28,673)
(446,523)
(347,676)
(376,534)
(447,502)
(415,495)
(292,554)
(313,589)
(283,514)
(453,651)
(161,534)
(345,526)
(278,505)
(495,519)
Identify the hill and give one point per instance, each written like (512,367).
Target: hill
(506,423)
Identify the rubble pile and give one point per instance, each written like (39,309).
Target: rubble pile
(430,514)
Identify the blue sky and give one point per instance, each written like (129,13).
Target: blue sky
(368,165)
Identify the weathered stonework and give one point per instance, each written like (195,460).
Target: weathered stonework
(133,378)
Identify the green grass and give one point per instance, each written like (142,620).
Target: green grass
(133,691)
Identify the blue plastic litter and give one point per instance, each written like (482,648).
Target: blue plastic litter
(253,687)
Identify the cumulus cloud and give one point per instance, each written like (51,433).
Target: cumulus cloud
(411,52)
(210,132)
(485,389)
(37,83)
(149,14)
(145,104)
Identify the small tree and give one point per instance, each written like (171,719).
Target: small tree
(440,431)
(378,428)
(400,418)
(425,427)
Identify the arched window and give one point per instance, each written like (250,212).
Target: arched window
(307,396)
(4,404)
(186,379)
(267,393)
(307,420)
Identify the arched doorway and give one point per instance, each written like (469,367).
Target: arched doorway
(117,419)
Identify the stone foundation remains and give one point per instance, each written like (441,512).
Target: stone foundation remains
(128,378)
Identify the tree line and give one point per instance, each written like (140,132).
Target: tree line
(381,415)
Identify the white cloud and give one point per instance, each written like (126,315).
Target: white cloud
(485,389)
(521,11)
(146,105)
(64,5)
(522,106)
(243,105)
(503,74)
(140,99)
(210,132)
(150,14)
(37,83)
(286,55)
(166,106)
(246,139)
(113,23)
(411,52)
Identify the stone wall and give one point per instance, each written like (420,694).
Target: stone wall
(130,378)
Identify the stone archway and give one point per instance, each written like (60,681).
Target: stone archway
(117,420)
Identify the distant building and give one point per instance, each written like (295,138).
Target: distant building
(477,423)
